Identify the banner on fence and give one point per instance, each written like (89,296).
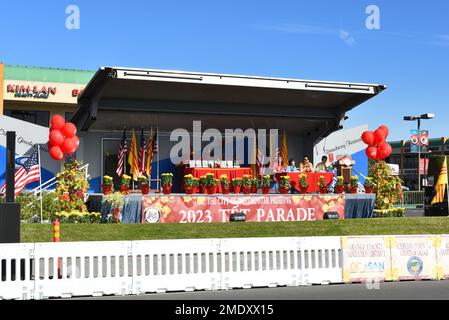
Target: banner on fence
(414,257)
(366,259)
(211,209)
(443,257)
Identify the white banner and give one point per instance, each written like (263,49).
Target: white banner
(443,257)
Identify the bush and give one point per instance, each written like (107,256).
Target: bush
(30,206)
(390,213)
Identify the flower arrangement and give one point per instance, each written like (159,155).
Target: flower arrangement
(143,180)
(303,181)
(76,216)
(369,183)
(167,179)
(210,181)
(71,187)
(108,181)
(237,182)
(388,187)
(247,181)
(125,180)
(354,182)
(322,182)
(224,181)
(340,181)
(255,182)
(285,182)
(196,182)
(116,202)
(266,181)
(189,181)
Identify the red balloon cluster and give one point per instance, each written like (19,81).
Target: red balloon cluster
(62,139)
(378,148)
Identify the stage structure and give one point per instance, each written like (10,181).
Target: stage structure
(306,110)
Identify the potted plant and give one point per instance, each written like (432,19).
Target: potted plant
(266,183)
(322,185)
(340,186)
(224,184)
(189,184)
(124,184)
(197,185)
(108,184)
(255,185)
(211,183)
(369,185)
(284,185)
(203,184)
(167,182)
(144,185)
(237,185)
(247,183)
(354,184)
(116,202)
(303,183)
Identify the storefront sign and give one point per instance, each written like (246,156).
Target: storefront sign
(23,91)
(419,139)
(213,209)
(366,259)
(413,257)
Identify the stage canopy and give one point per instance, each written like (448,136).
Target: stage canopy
(173,99)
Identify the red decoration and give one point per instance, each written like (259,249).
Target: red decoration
(385,130)
(69,146)
(368,137)
(56,138)
(56,153)
(371,153)
(379,137)
(69,130)
(384,151)
(57,122)
(77,141)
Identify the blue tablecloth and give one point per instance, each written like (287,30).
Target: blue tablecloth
(131,211)
(359,206)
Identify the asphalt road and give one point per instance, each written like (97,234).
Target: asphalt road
(411,290)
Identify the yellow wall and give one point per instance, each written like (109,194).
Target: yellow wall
(2,76)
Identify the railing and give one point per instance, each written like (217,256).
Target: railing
(411,200)
(53,181)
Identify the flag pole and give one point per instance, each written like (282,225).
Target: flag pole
(40,177)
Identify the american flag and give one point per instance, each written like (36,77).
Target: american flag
(142,153)
(121,154)
(28,172)
(260,161)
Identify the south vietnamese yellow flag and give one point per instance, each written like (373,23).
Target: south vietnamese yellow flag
(441,184)
(133,158)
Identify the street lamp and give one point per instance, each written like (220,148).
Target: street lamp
(426,116)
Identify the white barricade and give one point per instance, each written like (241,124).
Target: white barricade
(414,257)
(16,280)
(259,262)
(321,260)
(442,257)
(67,269)
(175,265)
(366,259)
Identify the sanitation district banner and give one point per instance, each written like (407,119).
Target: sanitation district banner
(212,209)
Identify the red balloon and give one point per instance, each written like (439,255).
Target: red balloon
(77,141)
(68,146)
(69,130)
(385,130)
(371,153)
(56,153)
(368,137)
(385,150)
(379,137)
(57,122)
(56,138)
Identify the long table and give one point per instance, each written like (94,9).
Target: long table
(312,179)
(232,173)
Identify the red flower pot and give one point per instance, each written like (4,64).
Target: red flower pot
(202,189)
(237,189)
(124,189)
(106,189)
(246,190)
(225,190)
(265,190)
(167,189)
(354,190)
(369,189)
(190,190)
(323,190)
(196,189)
(303,190)
(340,189)
(210,189)
(284,190)
(145,188)
(254,189)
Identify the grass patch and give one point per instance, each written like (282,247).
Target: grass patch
(112,232)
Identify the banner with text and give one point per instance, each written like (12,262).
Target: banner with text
(212,209)
(414,257)
(443,257)
(366,259)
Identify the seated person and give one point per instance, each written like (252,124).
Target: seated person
(322,166)
(279,166)
(306,165)
(292,166)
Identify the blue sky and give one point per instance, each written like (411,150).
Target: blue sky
(325,40)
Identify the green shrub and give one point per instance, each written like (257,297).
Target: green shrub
(390,213)
(30,206)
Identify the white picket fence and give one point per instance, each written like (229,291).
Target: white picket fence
(46,270)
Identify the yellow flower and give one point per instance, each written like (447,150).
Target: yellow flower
(187,199)
(166,210)
(200,200)
(296,199)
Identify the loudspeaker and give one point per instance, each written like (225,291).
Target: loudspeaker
(331,216)
(237,217)
(9,223)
